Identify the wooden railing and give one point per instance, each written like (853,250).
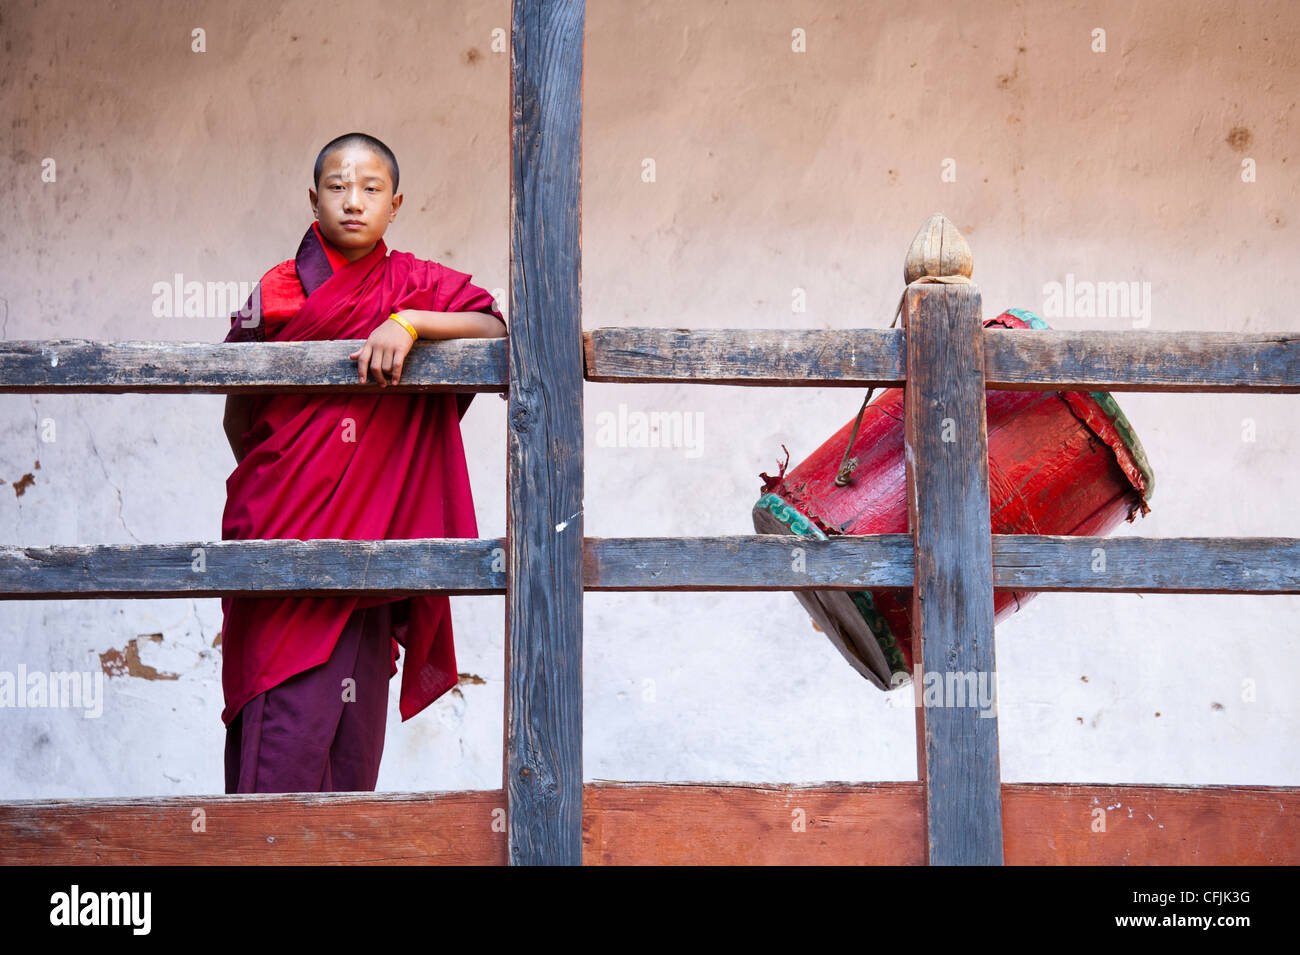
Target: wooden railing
(957,812)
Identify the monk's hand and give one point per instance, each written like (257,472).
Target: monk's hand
(384,353)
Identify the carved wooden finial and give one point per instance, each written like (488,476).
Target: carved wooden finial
(938,250)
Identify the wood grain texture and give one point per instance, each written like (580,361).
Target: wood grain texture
(1183,565)
(946,445)
(544,442)
(638,823)
(742,562)
(937,249)
(74,365)
(754,824)
(1024,359)
(747,356)
(1021,359)
(1057,824)
(317,568)
(747,562)
(451,828)
(1050,360)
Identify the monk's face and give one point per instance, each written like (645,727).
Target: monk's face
(356,201)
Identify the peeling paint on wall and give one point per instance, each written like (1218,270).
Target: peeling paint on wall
(126,662)
(26,481)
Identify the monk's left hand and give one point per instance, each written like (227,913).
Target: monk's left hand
(383,353)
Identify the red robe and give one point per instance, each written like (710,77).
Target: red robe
(366,466)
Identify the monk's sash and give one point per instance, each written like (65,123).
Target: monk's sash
(347,466)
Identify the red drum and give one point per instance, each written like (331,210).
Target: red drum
(1059,463)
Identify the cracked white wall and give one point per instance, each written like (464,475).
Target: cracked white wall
(778,178)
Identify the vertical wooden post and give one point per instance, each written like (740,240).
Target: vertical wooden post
(952,600)
(544,527)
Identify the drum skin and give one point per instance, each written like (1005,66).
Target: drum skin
(1059,463)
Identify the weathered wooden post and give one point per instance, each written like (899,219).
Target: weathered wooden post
(946,443)
(543,718)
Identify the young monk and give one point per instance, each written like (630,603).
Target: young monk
(306,679)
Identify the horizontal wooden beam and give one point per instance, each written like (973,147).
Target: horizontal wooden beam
(450,828)
(73,365)
(883,824)
(744,562)
(747,562)
(319,568)
(662,823)
(747,356)
(454,566)
(1019,359)
(1051,360)
(1174,565)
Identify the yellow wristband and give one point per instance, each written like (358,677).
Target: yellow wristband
(407,325)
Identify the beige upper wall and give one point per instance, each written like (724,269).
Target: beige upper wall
(815,169)
(775,169)
(175,161)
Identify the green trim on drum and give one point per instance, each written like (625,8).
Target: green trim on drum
(1112,409)
(800,524)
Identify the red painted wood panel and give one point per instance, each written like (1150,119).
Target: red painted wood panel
(664,823)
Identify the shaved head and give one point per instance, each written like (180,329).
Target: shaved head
(356,139)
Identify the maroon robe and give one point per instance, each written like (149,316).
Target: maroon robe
(346,466)
(321,730)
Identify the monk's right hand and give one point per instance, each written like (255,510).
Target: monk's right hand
(383,353)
